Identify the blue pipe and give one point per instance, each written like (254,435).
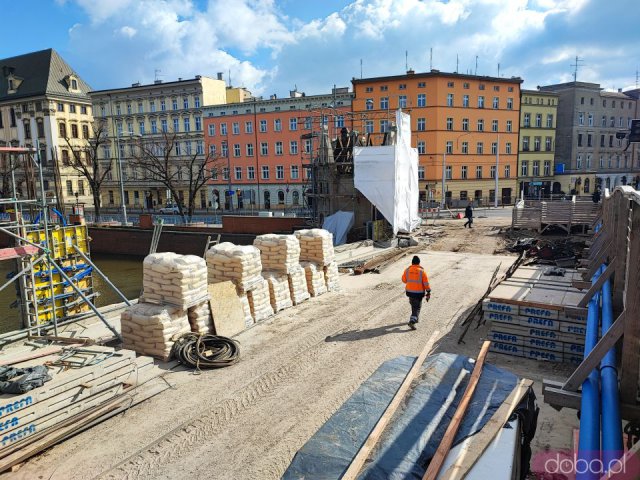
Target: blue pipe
(589,440)
(612,448)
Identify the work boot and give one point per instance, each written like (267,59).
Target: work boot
(412,322)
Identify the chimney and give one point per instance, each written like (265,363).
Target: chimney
(137,84)
(179,79)
(273,97)
(619,90)
(198,77)
(411,72)
(157,82)
(220,74)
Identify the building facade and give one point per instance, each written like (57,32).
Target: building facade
(262,146)
(538,116)
(588,151)
(45,104)
(465,128)
(151,113)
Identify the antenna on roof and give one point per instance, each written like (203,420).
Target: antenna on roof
(229,77)
(360,68)
(476,72)
(156,74)
(498,69)
(406,60)
(579,63)
(637,77)
(431,58)
(457,62)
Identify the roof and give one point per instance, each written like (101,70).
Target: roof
(155,85)
(42,73)
(437,73)
(525,91)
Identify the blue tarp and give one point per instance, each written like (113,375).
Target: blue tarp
(416,429)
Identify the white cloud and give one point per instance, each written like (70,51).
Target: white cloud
(127,31)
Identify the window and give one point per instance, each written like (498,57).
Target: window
(66,159)
(62,130)
(277,125)
(449,123)
(421,172)
(83,109)
(293,124)
(463,172)
(178,146)
(509,103)
(422,147)
(212,149)
(612,122)
(263,126)
(507,171)
(27,129)
(152,105)
(188,147)
(225,173)
(280,172)
(185,102)
(69,187)
(538,120)
(610,140)
(579,161)
(238,173)
(509,126)
(465,101)
(293,147)
(224,149)
(524,168)
(494,125)
(422,124)
(402,101)
(251,173)
(141,127)
(590,119)
(402,86)
(422,84)
(494,148)
(422,100)
(601,161)
(369,104)
(479,148)
(449,99)
(198,123)
(579,139)
(480,101)
(526,121)
(384,125)
(174,103)
(368,126)
(163,105)
(140,107)
(187,124)
(384,103)
(450,84)
(479,171)
(384,88)
(448,172)
(536,168)
(294,172)
(525,144)
(236,149)
(154,126)
(264,148)
(265,172)
(480,125)
(176,126)
(465,124)
(496,102)
(536,143)
(449,147)
(278,148)
(465,147)
(589,140)
(212,129)
(465,85)
(307,146)
(368,89)
(72,108)
(507,148)
(40,127)
(492,171)
(588,161)
(580,118)
(163,125)
(196,101)
(223,129)
(235,128)
(199,147)
(249,149)
(547,144)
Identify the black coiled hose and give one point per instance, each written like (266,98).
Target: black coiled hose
(204,351)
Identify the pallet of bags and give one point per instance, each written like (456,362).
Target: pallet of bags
(151,329)
(172,279)
(200,318)
(240,264)
(260,302)
(278,253)
(298,285)
(332,277)
(246,309)
(279,292)
(316,245)
(314,275)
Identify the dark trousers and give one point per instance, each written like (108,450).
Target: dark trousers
(416,305)
(469,222)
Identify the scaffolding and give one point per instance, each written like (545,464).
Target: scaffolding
(331,137)
(54,272)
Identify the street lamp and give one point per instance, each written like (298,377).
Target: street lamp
(495,195)
(119,160)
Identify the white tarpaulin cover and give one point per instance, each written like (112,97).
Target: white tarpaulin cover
(388,177)
(339,224)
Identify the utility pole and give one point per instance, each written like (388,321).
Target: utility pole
(444,164)
(579,63)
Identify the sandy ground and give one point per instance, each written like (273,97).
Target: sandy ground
(247,421)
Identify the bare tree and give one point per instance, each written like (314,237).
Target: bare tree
(85,161)
(7,168)
(160,162)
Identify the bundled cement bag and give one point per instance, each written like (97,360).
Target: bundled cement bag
(332,277)
(240,264)
(246,308)
(172,279)
(200,318)
(314,275)
(316,245)
(260,302)
(279,293)
(150,329)
(298,285)
(278,253)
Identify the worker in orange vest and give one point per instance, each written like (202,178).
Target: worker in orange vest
(416,287)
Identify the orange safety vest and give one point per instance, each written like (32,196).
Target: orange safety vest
(416,279)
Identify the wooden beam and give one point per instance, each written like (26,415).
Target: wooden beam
(631,463)
(10,253)
(581,284)
(600,258)
(479,442)
(594,357)
(597,285)
(42,352)
(358,461)
(447,440)
(629,367)
(575,311)
(620,237)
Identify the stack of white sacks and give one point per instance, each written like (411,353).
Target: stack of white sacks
(280,255)
(260,302)
(152,329)
(318,260)
(279,293)
(174,289)
(200,318)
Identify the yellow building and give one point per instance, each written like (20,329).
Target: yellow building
(237,95)
(45,104)
(538,116)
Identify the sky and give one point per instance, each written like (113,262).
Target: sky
(274,46)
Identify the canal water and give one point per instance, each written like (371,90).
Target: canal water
(124,271)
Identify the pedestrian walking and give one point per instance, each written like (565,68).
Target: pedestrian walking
(416,287)
(596,196)
(468,214)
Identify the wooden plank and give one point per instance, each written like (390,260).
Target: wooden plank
(594,357)
(42,352)
(629,368)
(600,258)
(10,253)
(621,234)
(481,440)
(226,308)
(581,284)
(447,440)
(358,461)
(597,285)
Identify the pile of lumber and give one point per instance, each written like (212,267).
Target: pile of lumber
(536,315)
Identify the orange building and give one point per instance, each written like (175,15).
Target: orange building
(461,124)
(260,148)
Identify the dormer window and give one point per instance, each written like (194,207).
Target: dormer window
(72,83)
(13,83)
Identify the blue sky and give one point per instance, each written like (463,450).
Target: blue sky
(270,46)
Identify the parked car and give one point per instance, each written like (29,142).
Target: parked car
(169,209)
